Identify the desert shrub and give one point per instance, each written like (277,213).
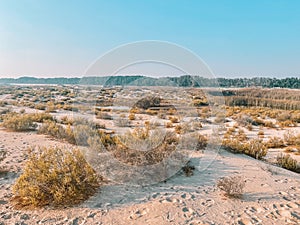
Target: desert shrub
(40,106)
(232,145)
(135,110)
(174,119)
(131,116)
(284,116)
(55,130)
(261,133)
(51,107)
(188,169)
(254,148)
(291,138)
(151,112)
(122,122)
(275,142)
(152,125)
(232,186)
(161,115)
(41,117)
(161,147)
(67,120)
(103,116)
(2,157)
(295,117)
(4,111)
(196,125)
(220,118)
(244,120)
(250,127)
(169,125)
(55,177)
(287,123)
(202,142)
(147,102)
(178,129)
(241,136)
(18,122)
(171,111)
(3,103)
(287,162)
(82,133)
(290,149)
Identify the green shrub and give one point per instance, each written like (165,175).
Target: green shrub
(55,177)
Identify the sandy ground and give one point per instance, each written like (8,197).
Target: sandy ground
(272,194)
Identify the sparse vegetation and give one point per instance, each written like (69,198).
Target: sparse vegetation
(232,186)
(287,162)
(55,177)
(19,122)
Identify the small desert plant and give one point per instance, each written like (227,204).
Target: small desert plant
(232,186)
(103,116)
(55,130)
(178,129)
(287,162)
(220,118)
(148,102)
(202,142)
(291,138)
(55,177)
(250,127)
(40,106)
(174,119)
(275,142)
(122,122)
(82,133)
(131,116)
(261,133)
(2,157)
(158,147)
(169,125)
(18,122)
(254,148)
(188,169)
(41,117)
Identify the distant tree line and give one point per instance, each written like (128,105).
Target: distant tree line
(182,81)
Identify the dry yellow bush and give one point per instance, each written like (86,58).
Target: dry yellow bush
(55,177)
(287,162)
(18,122)
(131,116)
(275,142)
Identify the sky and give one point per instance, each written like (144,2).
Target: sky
(235,38)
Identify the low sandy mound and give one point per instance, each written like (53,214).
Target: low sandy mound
(272,195)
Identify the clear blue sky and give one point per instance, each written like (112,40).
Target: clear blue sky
(234,37)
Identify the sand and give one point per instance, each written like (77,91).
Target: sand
(272,194)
